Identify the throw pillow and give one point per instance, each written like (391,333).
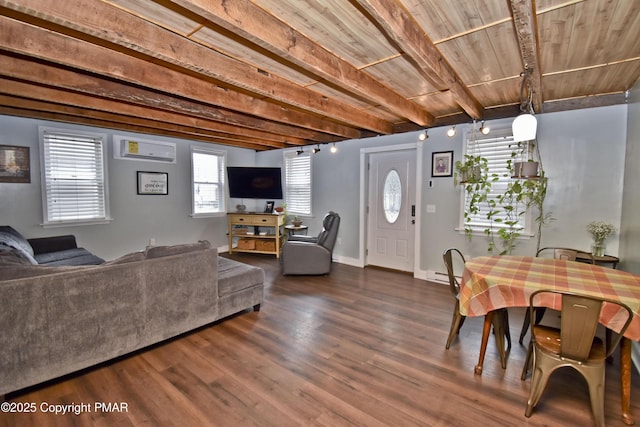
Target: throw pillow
(11,238)
(10,256)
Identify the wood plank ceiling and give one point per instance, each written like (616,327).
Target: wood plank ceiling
(266,74)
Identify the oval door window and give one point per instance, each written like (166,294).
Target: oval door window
(392,196)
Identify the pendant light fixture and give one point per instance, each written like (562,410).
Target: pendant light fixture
(484,129)
(524,127)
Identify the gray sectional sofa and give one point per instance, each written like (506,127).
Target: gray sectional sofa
(60,319)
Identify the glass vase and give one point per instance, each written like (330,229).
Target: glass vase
(598,248)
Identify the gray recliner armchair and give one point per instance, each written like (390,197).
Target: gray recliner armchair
(311,255)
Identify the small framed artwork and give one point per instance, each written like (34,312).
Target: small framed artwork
(153,183)
(14,164)
(269,207)
(442,164)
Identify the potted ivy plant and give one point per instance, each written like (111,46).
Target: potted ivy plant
(520,196)
(473,173)
(525,166)
(471,170)
(503,213)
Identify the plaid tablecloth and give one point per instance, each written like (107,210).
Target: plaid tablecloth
(492,282)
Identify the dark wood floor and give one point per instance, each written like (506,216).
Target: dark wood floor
(359,347)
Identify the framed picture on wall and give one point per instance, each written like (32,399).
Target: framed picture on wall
(14,164)
(442,164)
(153,183)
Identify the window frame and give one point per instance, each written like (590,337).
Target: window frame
(289,157)
(102,185)
(498,164)
(222,183)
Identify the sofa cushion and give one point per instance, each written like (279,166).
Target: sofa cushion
(132,257)
(76,256)
(162,251)
(235,276)
(9,237)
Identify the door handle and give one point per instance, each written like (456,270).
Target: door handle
(413,210)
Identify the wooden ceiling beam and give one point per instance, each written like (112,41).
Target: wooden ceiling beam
(85,21)
(65,118)
(30,97)
(246,20)
(138,100)
(407,34)
(526,29)
(57,48)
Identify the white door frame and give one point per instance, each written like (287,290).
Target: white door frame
(364,157)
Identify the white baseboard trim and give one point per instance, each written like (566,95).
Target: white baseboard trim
(354,262)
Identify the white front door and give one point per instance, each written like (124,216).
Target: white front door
(391,213)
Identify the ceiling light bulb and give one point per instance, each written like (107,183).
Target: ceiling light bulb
(524,128)
(451,132)
(333,148)
(484,129)
(316,150)
(423,135)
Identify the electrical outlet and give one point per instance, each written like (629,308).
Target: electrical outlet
(152,241)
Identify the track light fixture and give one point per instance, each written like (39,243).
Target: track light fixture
(316,150)
(300,151)
(333,148)
(484,129)
(451,132)
(423,135)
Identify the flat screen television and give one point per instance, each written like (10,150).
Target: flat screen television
(254,182)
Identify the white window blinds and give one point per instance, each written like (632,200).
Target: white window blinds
(207,167)
(298,183)
(73,177)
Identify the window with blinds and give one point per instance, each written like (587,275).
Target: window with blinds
(496,148)
(74,177)
(207,170)
(298,182)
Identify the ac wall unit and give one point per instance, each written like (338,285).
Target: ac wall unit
(148,150)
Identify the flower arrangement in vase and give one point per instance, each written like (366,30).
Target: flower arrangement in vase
(600,230)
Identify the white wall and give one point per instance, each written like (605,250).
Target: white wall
(583,153)
(136,219)
(630,224)
(630,227)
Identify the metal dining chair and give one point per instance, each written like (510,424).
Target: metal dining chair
(558,253)
(500,320)
(573,345)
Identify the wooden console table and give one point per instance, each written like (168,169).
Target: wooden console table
(248,228)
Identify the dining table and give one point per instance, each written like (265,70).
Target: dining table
(493,282)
